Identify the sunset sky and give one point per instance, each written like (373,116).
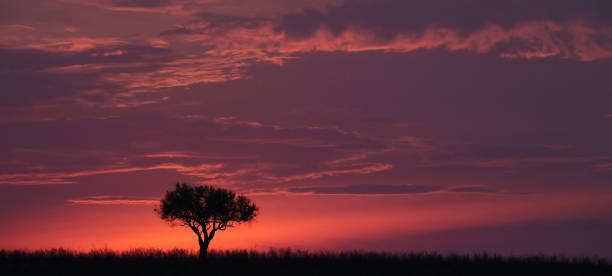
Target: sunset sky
(440,125)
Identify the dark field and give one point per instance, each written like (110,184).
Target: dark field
(287,262)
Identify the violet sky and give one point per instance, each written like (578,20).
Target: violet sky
(451,126)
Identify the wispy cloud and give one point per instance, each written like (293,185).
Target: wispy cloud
(536,39)
(183,154)
(381,189)
(221,46)
(44,181)
(472,189)
(203,170)
(230,52)
(72,44)
(365,189)
(113,200)
(233,152)
(298,142)
(367,168)
(198,7)
(16,27)
(226,50)
(344,161)
(177,7)
(604,166)
(514,162)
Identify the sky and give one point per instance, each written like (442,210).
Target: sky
(447,126)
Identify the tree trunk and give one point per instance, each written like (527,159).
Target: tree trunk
(204,249)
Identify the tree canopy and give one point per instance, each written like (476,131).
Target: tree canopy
(205,210)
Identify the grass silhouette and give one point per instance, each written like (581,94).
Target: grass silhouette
(286,262)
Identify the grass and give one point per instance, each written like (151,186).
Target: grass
(286,262)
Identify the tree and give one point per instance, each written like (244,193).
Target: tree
(205,210)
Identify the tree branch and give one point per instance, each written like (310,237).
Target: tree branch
(195,229)
(205,231)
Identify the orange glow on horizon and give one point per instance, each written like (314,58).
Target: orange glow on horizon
(308,222)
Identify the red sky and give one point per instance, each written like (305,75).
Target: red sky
(377,125)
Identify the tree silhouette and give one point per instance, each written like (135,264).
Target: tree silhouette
(205,210)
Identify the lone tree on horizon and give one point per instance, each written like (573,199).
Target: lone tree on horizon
(205,210)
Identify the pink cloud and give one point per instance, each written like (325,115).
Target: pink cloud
(364,169)
(176,7)
(298,142)
(559,147)
(158,43)
(513,162)
(604,166)
(113,200)
(190,7)
(212,173)
(181,154)
(231,51)
(183,72)
(234,121)
(418,143)
(17,27)
(72,44)
(117,52)
(203,170)
(343,161)
(545,39)
(18,182)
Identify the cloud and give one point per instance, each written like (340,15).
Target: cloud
(221,47)
(228,152)
(182,72)
(472,189)
(534,39)
(267,8)
(366,168)
(71,29)
(117,52)
(390,17)
(227,47)
(374,189)
(140,3)
(229,52)
(510,156)
(205,172)
(49,37)
(510,29)
(72,44)
(177,7)
(297,142)
(202,170)
(306,137)
(190,155)
(158,43)
(344,161)
(362,189)
(16,27)
(527,162)
(604,166)
(30,182)
(416,143)
(77,77)
(113,200)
